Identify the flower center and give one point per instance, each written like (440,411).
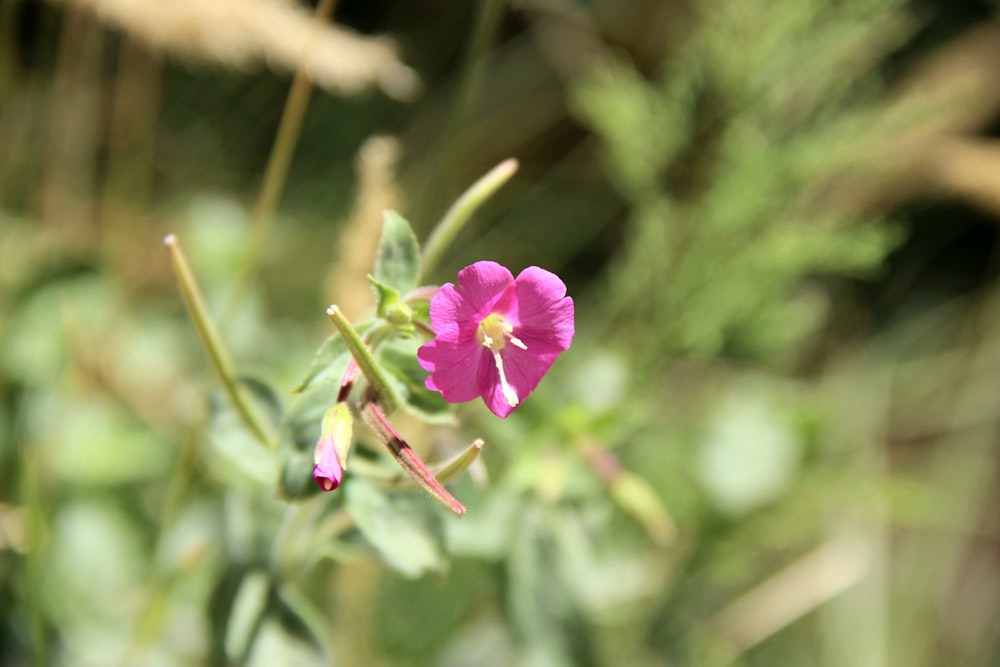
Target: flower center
(494,333)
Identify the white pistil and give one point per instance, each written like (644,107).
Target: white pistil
(494,333)
(509,394)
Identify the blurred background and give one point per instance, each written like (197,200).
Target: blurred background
(774,441)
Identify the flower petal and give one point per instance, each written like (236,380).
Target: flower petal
(545,313)
(526,369)
(489,387)
(327,472)
(448,310)
(482,285)
(453,368)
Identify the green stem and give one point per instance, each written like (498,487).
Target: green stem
(444,471)
(460,212)
(278,164)
(211,342)
(456,465)
(366,362)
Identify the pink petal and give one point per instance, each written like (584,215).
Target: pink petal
(488,380)
(453,367)
(525,369)
(328,472)
(482,285)
(545,313)
(448,312)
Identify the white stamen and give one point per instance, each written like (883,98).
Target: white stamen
(508,392)
(516,342)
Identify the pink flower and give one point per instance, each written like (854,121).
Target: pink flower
(328,471)
(496,336)
(330,456)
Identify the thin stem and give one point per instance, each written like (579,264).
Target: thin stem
(456,465)
(363,356)
(278,164)
(445,471)
(407,458)
(460,212)
(212,343)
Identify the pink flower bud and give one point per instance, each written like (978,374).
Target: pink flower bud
(333,446)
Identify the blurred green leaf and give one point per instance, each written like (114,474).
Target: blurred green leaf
(239,458)
(321,366)
(404,529)
(246,614)
(397,261)
(400,362)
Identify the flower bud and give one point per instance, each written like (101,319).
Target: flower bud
(330,457)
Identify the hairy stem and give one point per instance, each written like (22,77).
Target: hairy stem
(407,458)
(363,356)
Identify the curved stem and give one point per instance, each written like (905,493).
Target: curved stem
(212,343)
(460,212)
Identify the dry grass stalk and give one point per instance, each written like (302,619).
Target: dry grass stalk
(240,33)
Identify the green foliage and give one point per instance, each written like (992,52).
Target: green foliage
(404,529)
(723,157)
(397,261)
(653,503)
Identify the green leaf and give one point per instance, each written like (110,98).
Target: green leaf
(250,604)
(300,427)
(237,457)
(322,366)
(397,262)
(391,307)
(333,347)
(399,360)
(385,297)
(296,476)
(404,529)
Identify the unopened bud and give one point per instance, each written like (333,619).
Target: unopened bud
(330,457)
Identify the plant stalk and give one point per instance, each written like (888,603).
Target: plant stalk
(212,343)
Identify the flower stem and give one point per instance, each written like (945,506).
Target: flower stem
(460,212)
(363,356)
(211,342)
(407,458)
